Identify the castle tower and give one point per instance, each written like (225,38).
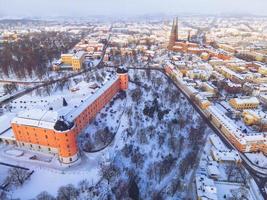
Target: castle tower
(67,143)
(123,75)
(174,34)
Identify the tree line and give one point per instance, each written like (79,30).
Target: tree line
(33,53)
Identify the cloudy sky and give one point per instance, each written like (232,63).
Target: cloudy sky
(43,8)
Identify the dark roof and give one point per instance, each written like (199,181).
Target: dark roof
(121,70)
(62,125)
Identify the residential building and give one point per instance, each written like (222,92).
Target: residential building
(244,103)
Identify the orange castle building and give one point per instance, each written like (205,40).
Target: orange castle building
(56,131)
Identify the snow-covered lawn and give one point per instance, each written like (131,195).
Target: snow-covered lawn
(47,179)
(3,173)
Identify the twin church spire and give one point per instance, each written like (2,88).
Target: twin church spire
(174,34)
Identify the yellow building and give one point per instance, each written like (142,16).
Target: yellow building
(227,48)
(246,103)
(263,70)
(203,102)
(250,118)
(75,60)
(198,74)
(205,56)
(67,59)
(230,74)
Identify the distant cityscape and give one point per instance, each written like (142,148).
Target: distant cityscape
(169,108)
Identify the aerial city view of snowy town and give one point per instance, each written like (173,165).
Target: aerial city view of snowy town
(155,107)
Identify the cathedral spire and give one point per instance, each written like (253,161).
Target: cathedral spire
(174,34)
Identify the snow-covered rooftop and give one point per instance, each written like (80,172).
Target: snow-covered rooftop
(206,188)
(250,100)
(47,112)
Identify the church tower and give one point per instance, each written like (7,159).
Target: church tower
(174,34)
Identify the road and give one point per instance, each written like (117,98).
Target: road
(20,82)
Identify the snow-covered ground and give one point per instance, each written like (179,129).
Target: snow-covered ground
(3,173)
(226,189)
(47,179)
(152,126)
(258,159)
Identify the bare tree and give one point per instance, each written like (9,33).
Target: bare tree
(103,136)
(17,176)
(235,173)
(83,185)
(239,193)
(68,192)
(109,171)
(137,158)
(136,95)
(3,195)
(45,196)
(9,88)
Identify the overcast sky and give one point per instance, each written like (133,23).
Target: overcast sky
(43,8)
